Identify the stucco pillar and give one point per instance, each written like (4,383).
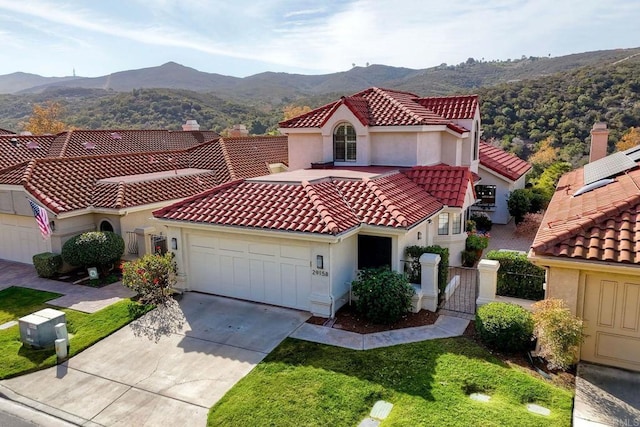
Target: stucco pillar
(429,267)
(144,242)
(487,281)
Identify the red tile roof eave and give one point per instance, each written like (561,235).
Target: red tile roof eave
(513,177)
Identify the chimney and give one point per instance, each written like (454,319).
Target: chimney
(238,131)
(599,138)
(191,125)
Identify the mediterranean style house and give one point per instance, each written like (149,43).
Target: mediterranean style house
(589,244)
(369,175)
(113,180)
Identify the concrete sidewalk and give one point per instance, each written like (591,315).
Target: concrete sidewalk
(444,327)
(76,297)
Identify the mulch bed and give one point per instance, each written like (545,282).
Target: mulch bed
(348,319)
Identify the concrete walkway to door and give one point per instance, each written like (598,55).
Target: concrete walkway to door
(166,368)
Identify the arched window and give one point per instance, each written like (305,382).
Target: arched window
(344,143)
(106,226)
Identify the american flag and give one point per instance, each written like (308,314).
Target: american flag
(42,219)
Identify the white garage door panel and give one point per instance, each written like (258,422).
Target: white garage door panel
(612,321)
(251,270)
(20,239)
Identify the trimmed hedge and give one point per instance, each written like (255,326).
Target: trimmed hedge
(414,253)
(382,295)
(517,276)
(505,327)
(47,264)
(93,249)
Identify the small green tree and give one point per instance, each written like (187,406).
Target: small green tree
(519,204)
(559,333)
(151,276)
(93,249)
(382,295)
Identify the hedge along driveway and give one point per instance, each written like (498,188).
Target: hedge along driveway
(518,277)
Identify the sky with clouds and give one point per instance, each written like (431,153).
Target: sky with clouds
(241,38)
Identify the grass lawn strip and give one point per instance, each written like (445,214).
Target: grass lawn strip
(85,329)
(429,383)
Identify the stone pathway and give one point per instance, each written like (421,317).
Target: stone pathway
(503,237)
(76,297)
(445,327)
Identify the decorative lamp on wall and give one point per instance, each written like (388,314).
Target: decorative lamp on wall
(319,262)
(174,244)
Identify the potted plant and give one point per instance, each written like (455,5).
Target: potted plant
(477,242)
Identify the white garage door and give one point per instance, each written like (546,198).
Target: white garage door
(273,273)
(20,238)
(611,316)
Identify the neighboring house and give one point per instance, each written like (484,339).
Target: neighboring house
(589,244)
(118,192)
(500,173)
(370,175)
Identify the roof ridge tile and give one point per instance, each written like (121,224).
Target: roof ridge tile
(320,207)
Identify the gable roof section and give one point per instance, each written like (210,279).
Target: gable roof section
(451,107)
(600,225)
(375,107)
(124,180)
(242,154)
(12,154)
(104,142)
(448,184)
(328,206)
(499,161)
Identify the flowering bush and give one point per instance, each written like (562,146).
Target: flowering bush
(151,276)
(477,241)
(559,333)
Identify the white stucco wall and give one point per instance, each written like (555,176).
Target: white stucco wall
(363,143)
(451,150)
(499,214)
(343,267)
(394,149)
(429,150)
(304,149)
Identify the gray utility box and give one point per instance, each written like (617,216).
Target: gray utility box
(38,329)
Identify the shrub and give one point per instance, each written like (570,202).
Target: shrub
(93,249)
(151,276)
(477,241)
(559,333)
(469,258)
(470,226)
(47,263)
(482,220)
(415,276)
(518,277)
(505,327)
(383,296)
(519,204)
(537,201)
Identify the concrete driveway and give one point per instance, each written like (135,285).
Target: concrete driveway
(167,368)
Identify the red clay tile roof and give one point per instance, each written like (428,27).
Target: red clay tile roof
(6,132)
(451,107)
(501,162)
(599,225)
(67,184)
(375,107)
(448,184)
(76,142)
(27,148)
(329,206)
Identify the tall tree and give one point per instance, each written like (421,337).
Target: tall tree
(45,118)
(291,111)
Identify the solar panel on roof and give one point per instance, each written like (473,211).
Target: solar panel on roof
(607,167)
(633,153)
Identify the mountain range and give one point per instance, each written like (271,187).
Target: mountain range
(277,88)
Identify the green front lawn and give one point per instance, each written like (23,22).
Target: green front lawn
(84,329)
(307,384)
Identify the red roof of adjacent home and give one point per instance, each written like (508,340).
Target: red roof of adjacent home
(15,149)
(451,107)
(124,180)
(600,225)
(327,206)
(6,132)
(100,142)
(506,164)
(375,107)
(242,153)
(449,184)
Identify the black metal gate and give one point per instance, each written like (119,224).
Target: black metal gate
(461,298)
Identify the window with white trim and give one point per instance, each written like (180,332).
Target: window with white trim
(456,223)
(443,224)
(344,143)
